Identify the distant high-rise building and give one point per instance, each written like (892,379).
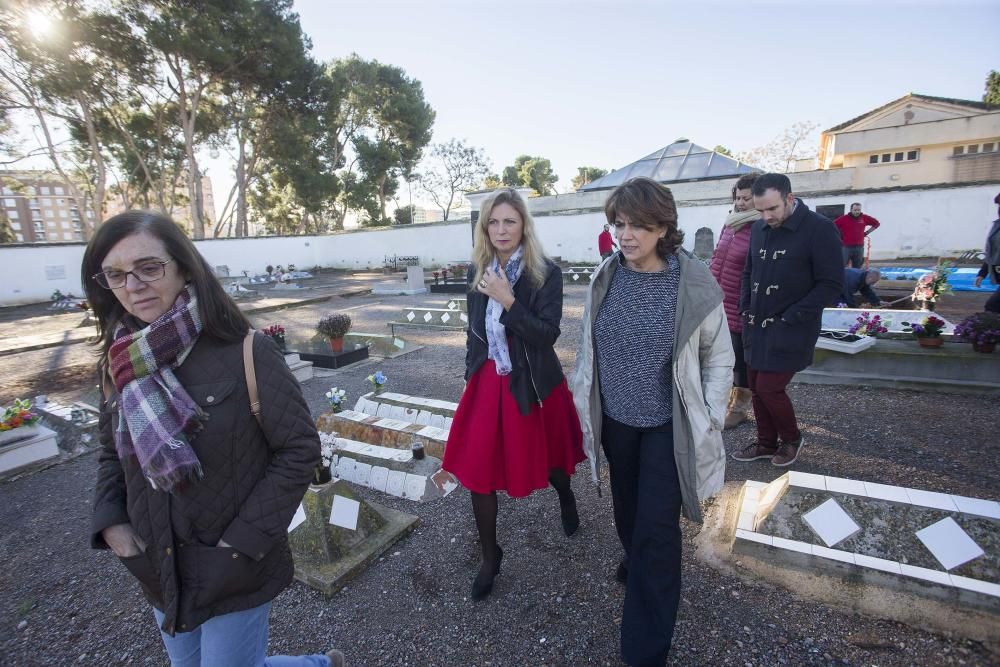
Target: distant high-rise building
(40,209)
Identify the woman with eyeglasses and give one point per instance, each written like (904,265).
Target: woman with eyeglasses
(194,494)
(515,429)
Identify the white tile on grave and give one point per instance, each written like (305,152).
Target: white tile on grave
(924,573)
(940,501)
(423,417)
(750,483)
(410,316)
(831,522)
(414,486)
(807,480)
(752,492)
(792,545)
(895,494)
(882,564)
(344,512)
(751,536)
(362,473)
(379,478)
(852,487)
(418,400)
(393,396)
(977,506)
(402,455)
(352,415)
(745,521)
(447,422)
(464,317)
(383,410)
(445,317)
(437,421)
(345,468)
(392,424)
(969,584)
(951,545)
(410,415)
(394,484)
(397,412)
(350,445)
(433,432)
(298,518)
(428,317)
(833,554)
(749,505)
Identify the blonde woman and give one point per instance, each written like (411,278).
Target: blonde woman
(515,428)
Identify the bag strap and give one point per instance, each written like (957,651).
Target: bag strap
(251,374)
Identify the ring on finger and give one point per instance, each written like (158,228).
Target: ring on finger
(482,283)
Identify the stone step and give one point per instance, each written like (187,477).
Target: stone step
(384,431)
(433,317)
(302,370)
(416,409)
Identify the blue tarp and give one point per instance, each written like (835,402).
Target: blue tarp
(961,280)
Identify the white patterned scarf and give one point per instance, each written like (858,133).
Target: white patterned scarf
(496,333)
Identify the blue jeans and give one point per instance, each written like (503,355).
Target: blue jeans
(238,639)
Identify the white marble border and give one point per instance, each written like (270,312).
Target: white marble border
(759,497)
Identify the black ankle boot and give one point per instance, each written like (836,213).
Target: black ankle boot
(570,517)
(482,585)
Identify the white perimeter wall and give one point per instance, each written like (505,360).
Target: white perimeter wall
(915,223)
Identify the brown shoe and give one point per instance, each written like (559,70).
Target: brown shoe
(754,452)
(788,452)
(336,658)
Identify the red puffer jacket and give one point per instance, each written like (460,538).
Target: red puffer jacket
(728,260)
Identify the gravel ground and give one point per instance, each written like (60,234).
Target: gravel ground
(556,601)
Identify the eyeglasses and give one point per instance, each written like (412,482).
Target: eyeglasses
(147,272)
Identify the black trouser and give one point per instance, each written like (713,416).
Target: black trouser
(647,504)
(740,378)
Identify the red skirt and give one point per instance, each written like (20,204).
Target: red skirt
(493,447)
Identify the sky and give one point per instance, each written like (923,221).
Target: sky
(602,84)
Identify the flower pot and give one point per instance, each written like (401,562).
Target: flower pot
(337,345)
(985,348)
(322,475)
(379,389)
(926,341)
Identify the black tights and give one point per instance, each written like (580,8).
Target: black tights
(484,509)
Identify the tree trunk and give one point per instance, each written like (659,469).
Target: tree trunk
(95,152)
(187,113)
(241,184)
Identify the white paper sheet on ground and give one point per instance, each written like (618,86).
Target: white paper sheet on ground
(298,519)
(344,512)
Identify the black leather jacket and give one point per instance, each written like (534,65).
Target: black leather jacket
(533,326)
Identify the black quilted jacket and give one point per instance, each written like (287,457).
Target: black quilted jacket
(253,482)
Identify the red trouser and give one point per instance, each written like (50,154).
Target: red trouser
(772,407)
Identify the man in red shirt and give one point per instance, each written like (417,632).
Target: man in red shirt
(853,228)
(605,243)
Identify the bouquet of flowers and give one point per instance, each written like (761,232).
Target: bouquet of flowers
(336,398)
(930,327)
(327,452)
(980,329)
(275,332)
(17,415)
(378,380)
(868,325)
(933,285)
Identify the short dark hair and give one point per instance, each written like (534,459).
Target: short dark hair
(856,203)
(745,182)
(220,315)
(649,205)
(767,182)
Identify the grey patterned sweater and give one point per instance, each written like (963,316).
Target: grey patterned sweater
(634,345)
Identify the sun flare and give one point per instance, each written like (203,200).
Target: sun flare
(39,23)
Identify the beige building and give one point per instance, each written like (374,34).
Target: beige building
(181,213)
(39,208)
(915,140)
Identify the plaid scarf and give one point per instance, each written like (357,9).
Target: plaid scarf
(496,333)
(157,414)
